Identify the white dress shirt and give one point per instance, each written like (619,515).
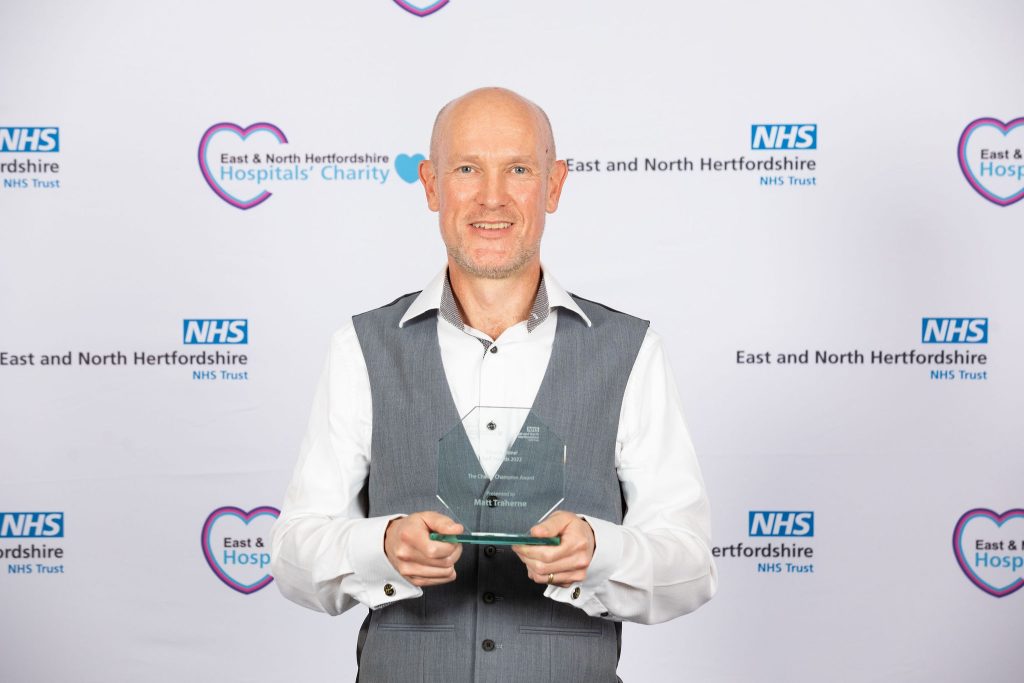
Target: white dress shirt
(328,555)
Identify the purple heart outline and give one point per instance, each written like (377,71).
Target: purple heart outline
(968,571)
(208,550)
(243,133)
(421,12)
(1005,129)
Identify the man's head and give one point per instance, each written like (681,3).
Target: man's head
(492,176)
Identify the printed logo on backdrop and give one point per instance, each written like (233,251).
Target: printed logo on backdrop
(961,363)
(991,155)
(990,549)
(208,352)
(791,553)
(236,545)
(245,166)
(421,8)
(30,543)
(778,158)
(26,169)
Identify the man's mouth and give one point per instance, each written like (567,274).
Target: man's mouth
(492,225)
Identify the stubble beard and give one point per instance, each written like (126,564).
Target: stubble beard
(523,255)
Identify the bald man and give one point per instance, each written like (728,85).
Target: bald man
(494,328)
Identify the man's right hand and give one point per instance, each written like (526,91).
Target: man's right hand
(421,561)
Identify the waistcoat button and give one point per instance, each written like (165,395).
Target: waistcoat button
(488,597)
(490,551)
(487,645)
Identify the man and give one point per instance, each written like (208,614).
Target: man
(494,329)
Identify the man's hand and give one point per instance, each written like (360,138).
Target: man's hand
(569,561)
(419,560)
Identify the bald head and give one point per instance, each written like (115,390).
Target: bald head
(484,102)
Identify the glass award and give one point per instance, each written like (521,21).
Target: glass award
(527,461)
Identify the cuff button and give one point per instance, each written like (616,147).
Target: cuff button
(575,592)
(389,590)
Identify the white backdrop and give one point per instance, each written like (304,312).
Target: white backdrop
(887,230)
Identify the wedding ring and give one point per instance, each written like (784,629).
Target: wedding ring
(551,579)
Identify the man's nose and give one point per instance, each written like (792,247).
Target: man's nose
(493,190)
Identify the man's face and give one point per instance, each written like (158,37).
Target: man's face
(492,181)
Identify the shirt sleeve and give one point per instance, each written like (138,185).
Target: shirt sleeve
(657,564)
(325,553)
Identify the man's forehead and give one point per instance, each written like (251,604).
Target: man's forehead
(489,119)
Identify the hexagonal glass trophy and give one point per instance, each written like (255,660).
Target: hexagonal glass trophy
(527,460)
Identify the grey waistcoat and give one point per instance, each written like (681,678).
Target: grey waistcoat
(439,637)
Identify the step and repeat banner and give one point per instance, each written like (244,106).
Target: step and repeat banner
(817,206)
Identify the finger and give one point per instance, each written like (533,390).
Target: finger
(435,521)
(553,525)
(562,580)
(423,582)
(569,565)
(411,570)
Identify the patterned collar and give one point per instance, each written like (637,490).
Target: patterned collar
(449,309)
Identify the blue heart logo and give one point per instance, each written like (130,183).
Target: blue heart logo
(408,167)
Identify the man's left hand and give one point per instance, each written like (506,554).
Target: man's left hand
(559,565)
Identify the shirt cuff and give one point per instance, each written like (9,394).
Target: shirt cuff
(377,582)
(607,558)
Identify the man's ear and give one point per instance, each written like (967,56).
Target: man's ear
(428,177)
(556,178)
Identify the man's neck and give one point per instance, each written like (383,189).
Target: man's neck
(493,306)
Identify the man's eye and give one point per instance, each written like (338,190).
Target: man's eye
(465,169)
(520,170)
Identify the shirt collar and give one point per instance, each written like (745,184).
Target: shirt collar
(437,296)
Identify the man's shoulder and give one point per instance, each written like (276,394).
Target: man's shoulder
(399,304)
(598,311)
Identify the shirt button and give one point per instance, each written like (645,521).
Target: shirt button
(487,645)
(490,551)
(575,592)
(489,597)
(492,426)
(389,590)
(494,349)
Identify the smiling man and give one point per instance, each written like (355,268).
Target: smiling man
(494,329)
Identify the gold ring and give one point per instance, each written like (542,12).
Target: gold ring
(551,579)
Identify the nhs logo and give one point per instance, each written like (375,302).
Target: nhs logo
(31,524)
(954,330)
(784,136)
(216,331)
(28,139)
(781,523)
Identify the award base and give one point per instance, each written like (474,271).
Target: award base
(495,539)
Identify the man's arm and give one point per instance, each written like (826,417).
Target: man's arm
(657,564)
(326,554)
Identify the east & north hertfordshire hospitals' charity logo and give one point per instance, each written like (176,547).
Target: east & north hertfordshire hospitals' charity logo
(990,549)
(208,352)
(961,363)
(236,545)
(36,542)
(29,172)
(779,158)
(991,155)
(791,554)
(240,164)
(421,8)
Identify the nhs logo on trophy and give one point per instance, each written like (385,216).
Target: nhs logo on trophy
(216,331)
(29,139)
(31,524)
(954,330)
(784,136)
(781,523)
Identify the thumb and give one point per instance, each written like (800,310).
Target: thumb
(552,526)
(435,521)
